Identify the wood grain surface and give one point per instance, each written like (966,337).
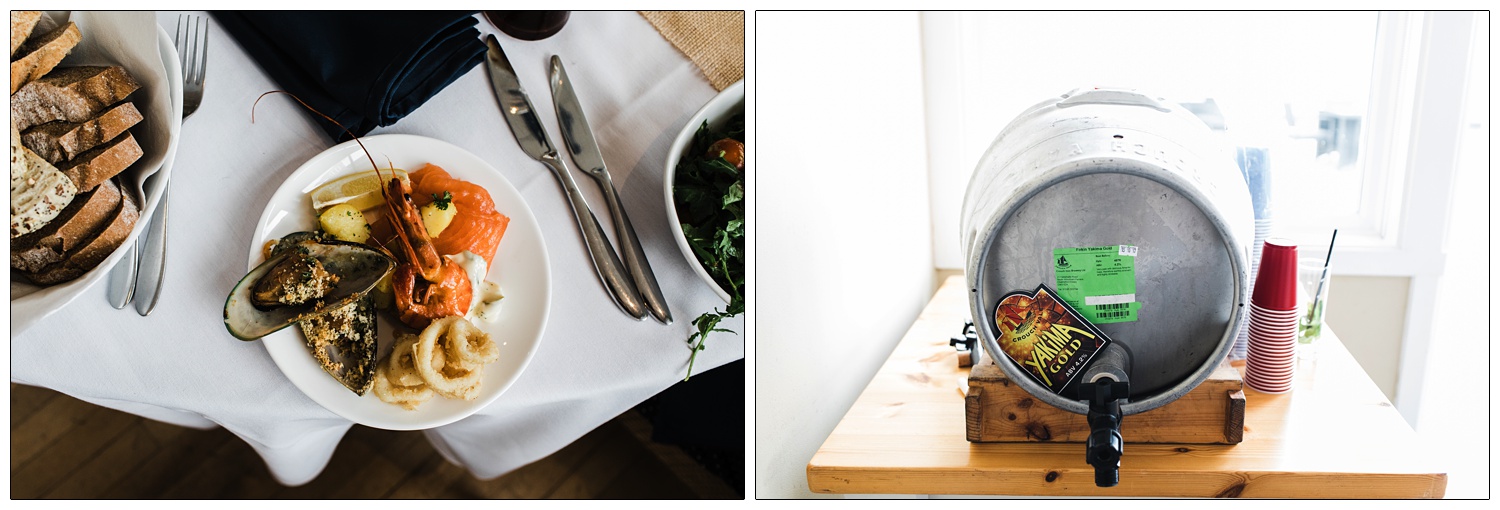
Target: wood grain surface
(64,448)
(1333,436)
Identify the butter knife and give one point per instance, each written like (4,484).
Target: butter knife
(532,138)
(122,277)
(153,262)
(578,139)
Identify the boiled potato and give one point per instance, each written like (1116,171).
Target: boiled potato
(437,215)
(345,223)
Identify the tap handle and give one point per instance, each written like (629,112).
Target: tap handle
(1105,444)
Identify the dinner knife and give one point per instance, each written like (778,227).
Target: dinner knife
(532,137)
(578,139)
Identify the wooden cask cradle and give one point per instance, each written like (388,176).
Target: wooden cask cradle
(996,410)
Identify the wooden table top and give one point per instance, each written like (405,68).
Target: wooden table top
(1335,435)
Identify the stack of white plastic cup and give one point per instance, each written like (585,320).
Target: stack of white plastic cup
(1254,167)
(1262,232)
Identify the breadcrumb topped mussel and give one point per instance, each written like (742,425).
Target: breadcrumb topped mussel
(344,343)
(308,274)
(296,280)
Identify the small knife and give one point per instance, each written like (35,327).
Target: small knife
(122,278)
(153,262)
(532,137)
(579,141)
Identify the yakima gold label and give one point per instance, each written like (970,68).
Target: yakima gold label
(1045,337)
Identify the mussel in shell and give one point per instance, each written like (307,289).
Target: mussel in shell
(343,342)
(307,275)
(295,280)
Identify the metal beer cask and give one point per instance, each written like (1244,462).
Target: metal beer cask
(1115,167)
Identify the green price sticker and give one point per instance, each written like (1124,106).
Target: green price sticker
(1098,281)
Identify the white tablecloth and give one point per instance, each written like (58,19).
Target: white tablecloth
(179,365)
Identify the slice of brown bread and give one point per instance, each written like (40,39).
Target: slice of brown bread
(42,53)
(98,164)
(86,215)
(98,247)
(73,94)
(21,25)
(60,141)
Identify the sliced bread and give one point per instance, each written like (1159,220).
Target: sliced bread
(95,250)
(18,162)
(38,192)
(100,163)
(88,214)
(59,141)
(39,55)
(21,25)
(73,94)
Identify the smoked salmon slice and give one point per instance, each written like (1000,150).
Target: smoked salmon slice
(477,227)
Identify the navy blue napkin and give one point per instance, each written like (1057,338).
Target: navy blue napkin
(364,69)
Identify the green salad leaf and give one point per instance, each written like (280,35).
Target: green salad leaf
(710,199)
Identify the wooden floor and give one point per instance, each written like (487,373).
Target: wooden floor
(64,448)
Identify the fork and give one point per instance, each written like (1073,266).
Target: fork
(191,40)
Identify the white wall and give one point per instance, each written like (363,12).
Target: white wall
(1368,313)
(843,248)
(1456,401)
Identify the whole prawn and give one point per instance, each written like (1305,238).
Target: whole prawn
(427,286)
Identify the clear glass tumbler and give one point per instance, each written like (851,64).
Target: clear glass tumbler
(1312,295)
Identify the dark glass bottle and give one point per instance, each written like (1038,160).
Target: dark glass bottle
(528,25)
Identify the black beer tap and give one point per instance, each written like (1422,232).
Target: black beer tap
(1105,445)
(967,345)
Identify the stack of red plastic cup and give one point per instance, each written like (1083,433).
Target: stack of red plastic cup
(1272,351)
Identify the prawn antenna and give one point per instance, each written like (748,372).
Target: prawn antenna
(320,114)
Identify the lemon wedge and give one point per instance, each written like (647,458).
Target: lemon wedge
(359,190)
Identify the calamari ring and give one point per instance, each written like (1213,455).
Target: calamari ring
(408,397)
(456,373)
(468,346)
(449,381)
(403,369)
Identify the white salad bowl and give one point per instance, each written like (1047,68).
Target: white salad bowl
(717,112)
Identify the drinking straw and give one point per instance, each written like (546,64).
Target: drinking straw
(1312,310)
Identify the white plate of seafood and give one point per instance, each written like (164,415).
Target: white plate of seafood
(506,331)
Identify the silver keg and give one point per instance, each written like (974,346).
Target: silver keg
(1106,167)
